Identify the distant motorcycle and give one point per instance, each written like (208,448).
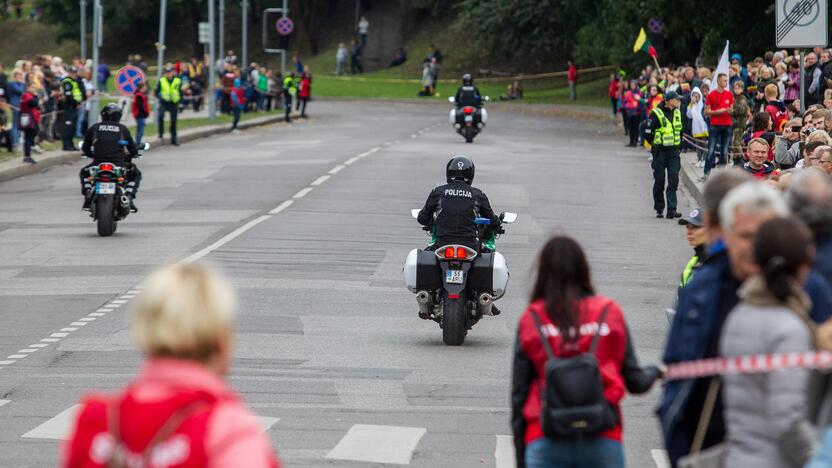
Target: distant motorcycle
(468,120)
(456,285)
(110,202)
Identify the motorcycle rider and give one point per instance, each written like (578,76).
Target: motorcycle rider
(468,94)
(110,141)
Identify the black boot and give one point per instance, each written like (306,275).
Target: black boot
(671,214)
(494,310)
(87,202)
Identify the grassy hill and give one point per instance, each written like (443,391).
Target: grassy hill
(24,38)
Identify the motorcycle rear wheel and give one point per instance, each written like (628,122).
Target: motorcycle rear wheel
(469,134)
(105,213)
(454,324)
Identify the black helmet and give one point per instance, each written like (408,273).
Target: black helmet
(111,113)
(460,168)
(467,80)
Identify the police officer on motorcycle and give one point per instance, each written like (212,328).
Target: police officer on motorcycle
(110,141)
(453,207)
(468,94)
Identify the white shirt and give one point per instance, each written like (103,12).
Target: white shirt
(363,26)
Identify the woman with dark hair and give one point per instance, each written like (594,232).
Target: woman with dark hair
(766,414)
(566,310)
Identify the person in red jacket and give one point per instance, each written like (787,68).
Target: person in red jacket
(572,76)
(140,110)
(613,93)
(29,121)
(569,310)
(305,90)
(179,412)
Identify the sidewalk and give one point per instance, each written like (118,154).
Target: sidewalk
(691,176)
(14,168)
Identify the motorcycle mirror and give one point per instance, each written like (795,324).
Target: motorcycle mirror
(145,146)
(508,217)
(414,214)
(486,98)
(451,99)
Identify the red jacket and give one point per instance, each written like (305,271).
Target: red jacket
(613,88)
(29,105)
(573,73)
(140,107)
(214,430)
(610,354)
(305,86)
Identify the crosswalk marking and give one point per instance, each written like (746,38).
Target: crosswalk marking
(59,426)
(504,453)
(378,444)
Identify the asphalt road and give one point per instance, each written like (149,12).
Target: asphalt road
(329,348)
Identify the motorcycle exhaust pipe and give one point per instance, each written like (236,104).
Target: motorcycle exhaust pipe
(484,303)
(425,303)
(125,201)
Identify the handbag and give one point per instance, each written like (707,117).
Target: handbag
(712,457)
(574,404)
(26,121)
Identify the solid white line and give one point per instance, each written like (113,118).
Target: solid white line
(69,329)
(58,335)
(51,340)
(228,238)
(320,180)
(351,160)
(660,457)
(6,363)
(302,193)
(16,356)
(504,453)
(56,428)
(27,351)
(38,345)
(336,169)
(378,444)
(118,302)
(78,324)
(281,207)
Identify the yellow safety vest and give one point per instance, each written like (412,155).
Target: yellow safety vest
(687,273)
(76,90)
(170,90)
(668,134)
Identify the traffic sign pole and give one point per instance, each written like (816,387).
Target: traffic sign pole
(96,42)
(212,60)
(83,30)
(160,47)
(245,32)
(802,81)
(222,28)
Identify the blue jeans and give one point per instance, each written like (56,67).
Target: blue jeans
(139,130)
(823,457)
(718,135)
(15,127)
(590,453)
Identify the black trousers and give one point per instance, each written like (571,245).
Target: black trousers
(172,109)
(665,160)
(70,117)
(633,121)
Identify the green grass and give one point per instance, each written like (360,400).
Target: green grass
(222,119)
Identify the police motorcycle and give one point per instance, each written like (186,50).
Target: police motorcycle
(468,120)
(110,202)
(455,285)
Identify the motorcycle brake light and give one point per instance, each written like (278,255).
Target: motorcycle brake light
(461,253)
(449,252)
(106,167)
(120,179)
(468,109)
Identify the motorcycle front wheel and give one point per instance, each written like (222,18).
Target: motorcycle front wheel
(454,326)
(105,214)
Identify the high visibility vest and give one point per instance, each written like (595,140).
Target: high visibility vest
(289,85)
(170,90)
(76,90)
(687,273)
(668,134)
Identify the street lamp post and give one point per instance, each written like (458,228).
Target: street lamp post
(245,33)
(212,61)
(222,27)
(92,117)
(83,30)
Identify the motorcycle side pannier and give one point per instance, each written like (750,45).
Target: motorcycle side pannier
(489,273)
(421,271)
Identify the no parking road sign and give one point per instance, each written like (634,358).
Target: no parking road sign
(128,79)
(802,23)
(285,26)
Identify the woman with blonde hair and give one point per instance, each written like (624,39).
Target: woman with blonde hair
(179,410)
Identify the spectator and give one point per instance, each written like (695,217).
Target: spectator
(810,199)
(761,128)
(141,111)
(699,127)
(613,93)
(427,80)
(632,111)
(183,325)
(15,90)
(103,76)
(355,57)
(6,125)
(775,108)
(812,79)
(305,91)
(230,58)
(29,121)
(787,145)
(196,78)
(238,103)
(399,58)
(566,311)
(4,81)
(758,164)
(363,28)
(271,95)
(572,76)
(718,107)
(766,414)
(781,76)
(341,59)
(740,113)
(792,83)
(298,65)
(824,162)
(697,237)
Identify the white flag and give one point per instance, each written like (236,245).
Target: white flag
(722,68)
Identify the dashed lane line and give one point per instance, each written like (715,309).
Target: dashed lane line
(281,207)
(336,169)
(320,180)
(302,193)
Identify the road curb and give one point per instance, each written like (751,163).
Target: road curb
(16,168)
(691,176)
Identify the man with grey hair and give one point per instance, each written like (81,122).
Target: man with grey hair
(824,162)
(706,301)
(810,199)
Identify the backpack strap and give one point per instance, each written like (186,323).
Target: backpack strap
(597,335)
(546,346)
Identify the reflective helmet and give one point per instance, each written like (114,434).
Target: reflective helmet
(460,168)
(111,113)
(467,80)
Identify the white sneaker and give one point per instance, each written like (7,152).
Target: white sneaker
(37,149)
(236,130)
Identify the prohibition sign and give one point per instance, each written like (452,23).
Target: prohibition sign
(797,13)
(285,26)
(128,79)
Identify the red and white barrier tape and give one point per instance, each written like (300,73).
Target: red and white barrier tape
(756,364)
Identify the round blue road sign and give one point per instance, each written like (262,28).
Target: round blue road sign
(128,79)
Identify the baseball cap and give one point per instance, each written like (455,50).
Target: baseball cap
(671,95)
(694,218)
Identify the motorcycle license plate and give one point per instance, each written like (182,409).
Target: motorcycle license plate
(454,277)
(469,118)
(105,188)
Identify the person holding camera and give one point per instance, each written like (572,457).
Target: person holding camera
(787,145)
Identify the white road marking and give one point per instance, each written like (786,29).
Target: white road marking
(4,402)
(27,351)
(69,329)
(51,340)
(302,193)
(228,238)
(660,457)
(97,314)
(16,356)
(78,324)
(413,136)
(267,422)
(58,335)
(107,309)
(320,180)
(38,345)
(87,319)
(281,207)
(378,444)
(128,296)
(6,363)
(118,302)
(351,160)
(504,453)
(336,169)
(56,428)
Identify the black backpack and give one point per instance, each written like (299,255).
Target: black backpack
(573,396)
